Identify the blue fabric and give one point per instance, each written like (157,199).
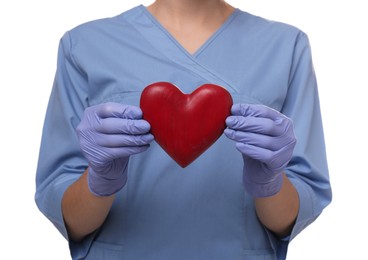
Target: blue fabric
(165,211)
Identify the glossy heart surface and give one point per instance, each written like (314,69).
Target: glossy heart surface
(185,125)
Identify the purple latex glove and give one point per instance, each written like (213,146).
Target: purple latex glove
(266,140)
(108,134)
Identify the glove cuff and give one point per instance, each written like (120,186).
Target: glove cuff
(103,187)
(261,190)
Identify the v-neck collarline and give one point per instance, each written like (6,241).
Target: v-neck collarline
(203,46)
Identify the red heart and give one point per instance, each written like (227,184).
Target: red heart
(185,125)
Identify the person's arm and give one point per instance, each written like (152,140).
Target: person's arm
(278,212)
(108,135)
(266,140)
(308,168)
(83,211)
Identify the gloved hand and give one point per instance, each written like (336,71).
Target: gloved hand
(108,134)
(266,140)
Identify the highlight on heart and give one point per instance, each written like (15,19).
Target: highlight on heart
(185,125)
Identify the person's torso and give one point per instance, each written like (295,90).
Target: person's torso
(201,211)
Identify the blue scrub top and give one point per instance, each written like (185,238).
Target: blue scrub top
(165,211)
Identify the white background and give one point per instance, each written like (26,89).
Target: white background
(29,36)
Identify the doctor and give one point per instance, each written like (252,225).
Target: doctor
(115,194)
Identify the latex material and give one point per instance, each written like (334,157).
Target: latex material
(266,140)
(108,134)
(185,125)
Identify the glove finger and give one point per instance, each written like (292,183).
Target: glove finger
(121,152)
(123,126)
(255,139)
(255,152)
(123,140)
(255,110)
(118,110)
(259,125)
